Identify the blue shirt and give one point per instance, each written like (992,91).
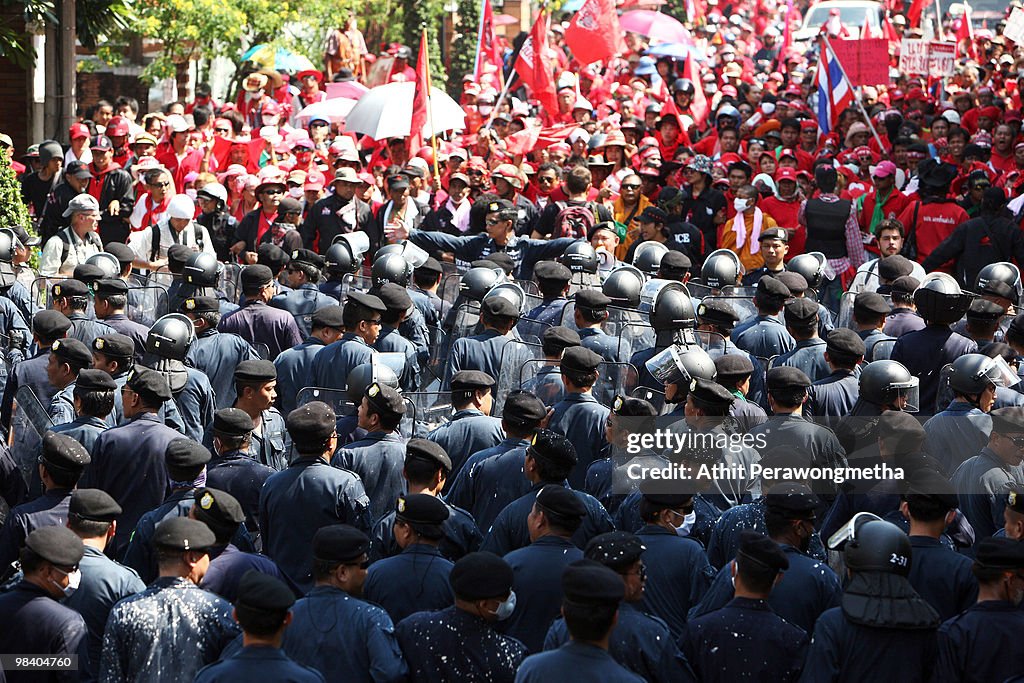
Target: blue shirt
(258,663)
(538,592)
(574,661)
(415,580)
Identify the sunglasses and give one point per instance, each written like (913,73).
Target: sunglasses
(273,191)
(546,180)
(164,184)
(631,187)
(1018,441)
(477,174)
(221,130)
(372,321)
(494,221)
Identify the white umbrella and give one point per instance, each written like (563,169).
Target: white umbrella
(334,110)
(386,112)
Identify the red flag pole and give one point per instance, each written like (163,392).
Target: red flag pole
(430,108)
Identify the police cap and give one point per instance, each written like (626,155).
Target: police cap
(794,282)
(711,394)
(184,457)
(183,534)
(149,384)
(263,593)
(760,549)
(308,258)
(114,345)
(552,271)
(367,301)
(340,543)
(786,377)
(1008,420)
(675,262)
(421,508)
(523,409)
(1015,500)
(985,310)
(500,205)
(385,399)
(560,337)
(561,503)
(801,312)
(63,453)
(1000,553)
(580,359)
(551,447)
(94,505)
(481,576)
(232,422)
(502,260)
(218,509)
(270,255)
(588,583)
(57,545)
(717,312)
(467,380)
(780,234)
(870,304)
(255,371)
(733,365)
(395,297)
(68,288)
(431,265)
(311,423)
(792,501)
(844,341)
(199,304)
(592,299)
(632,407)
(906,285)
(72,351)
(256,276)
(121,251)
(892,267)
(424,449)
(499,307)
(328,316)
(104,288)
(769,287)
(95,380)
(616,550)
(50,324)
(178,254)
(927,483)
(655,496)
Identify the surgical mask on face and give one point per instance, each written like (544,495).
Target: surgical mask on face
(506,608)
(739,204)
(485,109)
(295,192)
(192,193)
(687,525)
(74,581)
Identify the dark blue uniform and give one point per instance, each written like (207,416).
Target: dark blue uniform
(833,396)
(538,593)
(85,330)
(104,583)
(128,463)
(255,663)
(378,458)
(748,413)
(871,338)
(296,502)
(809,356)
(725,537)
(678,574)
(581,419)
(486,352)
(510,532)
(764,336)
(196,404)
(804,436)
(270,443)
(391,340)
(293,372)
(627,517)
(982,483)
(168,413)
(33,623)
(301,303)
(217,355)
(981,644)
(227,567)
(454,645)
(62,405)
(523,252)
(21,297)
(925,352)
(333,362)
(83,429)
(137,332)
(487,483)
(344,638)
(547,385)
(901,321)
(942,577)
(29,373)
(415,580)
(575,660)
(50,509)
(744,641)
(539,318)
(258,323)
(604,345)
(640,643)
(468,431)
(461,536)
(956,433)
(240,475)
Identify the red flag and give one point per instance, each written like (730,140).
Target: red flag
(419,99)
(594,34)
(965,33)
(699,104)
(533,68)
(487,49)
(867,31)
(914,13)
(889,31)
(787,38)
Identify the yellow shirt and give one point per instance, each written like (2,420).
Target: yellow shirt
(750,261)
(620,214)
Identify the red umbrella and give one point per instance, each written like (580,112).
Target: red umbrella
(660,28)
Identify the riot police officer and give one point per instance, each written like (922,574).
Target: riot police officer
(870,311)
(397,305)
(167,344)
(553,281)
(71,297)
(303,274)
(110,302)
(361,316)
(579,416)
(343,259)
(672,316)
(397,269)
(721,269)
(590,312)
(256,389)
(809,353)
(232,468)
(765,335)
(214,353)
(294,365)
(489,351)
(258,323)
(834,396)
(471,428)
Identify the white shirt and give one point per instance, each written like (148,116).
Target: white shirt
(141,241)
(86,157)
(866,279)
(79,251)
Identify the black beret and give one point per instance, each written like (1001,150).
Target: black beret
(431,265)
(178,254)
(786,377)
(675,261)
(183,533)
(255,371)
(88,273)
(717,312)
(366,301)
(499,306)
(122,252)
(385,399)
(551,447)
(481,576)
(768,286)
(794,282)
(755,547)
(110,287)
(395,297)
(69,288)
(552,270)
(57,545)
(733,365)
(256,276)
(270,255)
(657,497)
(1000,289)
(149,383)
(340,543)
(871,304)
(261,592)
(588,583)
(710,393)
(183,457)
(232,422)
(593,299)
(502,260)
(780,234)
(983,309)
(95,380)
(845,341)
(896,423)
(311,423)
(61,452)
(906,284)
(929,484)
(217,508)
(94,505)
(1008,420)
(561,337)
(73,351)
(892,267)
(423,449)
(580,359)
(561,502)
(200,304)
(615,549)
(633,407)
(471,379)
(1015,500)
(114,345)
(500,205)
(801,311)
(50,324)
(421,508)
(1000,553)
(652,214)
(328,316)
(792,500)
(309,258)
(523,408)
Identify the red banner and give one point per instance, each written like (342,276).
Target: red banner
(594,34)
(866,62)
(533,68)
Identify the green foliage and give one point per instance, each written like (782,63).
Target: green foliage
(188,29)
(426,14)
(464,47)
(12,209)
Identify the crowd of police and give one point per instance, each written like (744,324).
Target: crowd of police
(412,466)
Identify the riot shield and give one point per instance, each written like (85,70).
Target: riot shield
(882,350)
(449,288)
(335,398)
(698,290)
(147,304)
(736,292)
(845,316)
(439,346)
(464,319)
(654,397)
(29,421)
(359,283)
(425,411)
(530,287)
(530,330)
(636,335)
(229,281)
(40,293)
(713,343)
(514,355)
(393,360)
(743,306)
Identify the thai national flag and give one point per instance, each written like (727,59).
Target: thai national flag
(834,92)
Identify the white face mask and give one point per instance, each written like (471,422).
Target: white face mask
(739,204)
(192,193)
(687,525)
(485,109)
(506,608)
(74,581)
(295,192)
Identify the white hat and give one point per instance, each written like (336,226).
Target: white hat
(215,190)
(952,116)
(177,124)
(579,134)
(181,206)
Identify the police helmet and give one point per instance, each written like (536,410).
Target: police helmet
(407,250)
(346,252)
(108,263)
(972,373)
(684,85)
(721,269)
(580,257)
(170,337)
(940,300)
(811,266)
(391,268)
(202,270)
(647,257)
(362,376)
(727,111)
(878,546)
(623,286)
(884,382)
(681,364)
(1003,272)
(668,305)
(512,292)
(476,282)
(7,239)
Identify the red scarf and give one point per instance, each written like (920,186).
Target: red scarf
(265,223)
(153,210)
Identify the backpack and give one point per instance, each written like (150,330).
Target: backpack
(154,250)
(574,221)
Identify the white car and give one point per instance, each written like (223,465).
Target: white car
(852,14)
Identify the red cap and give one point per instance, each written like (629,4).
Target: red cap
(917,94)
(78,130)
(785,174)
